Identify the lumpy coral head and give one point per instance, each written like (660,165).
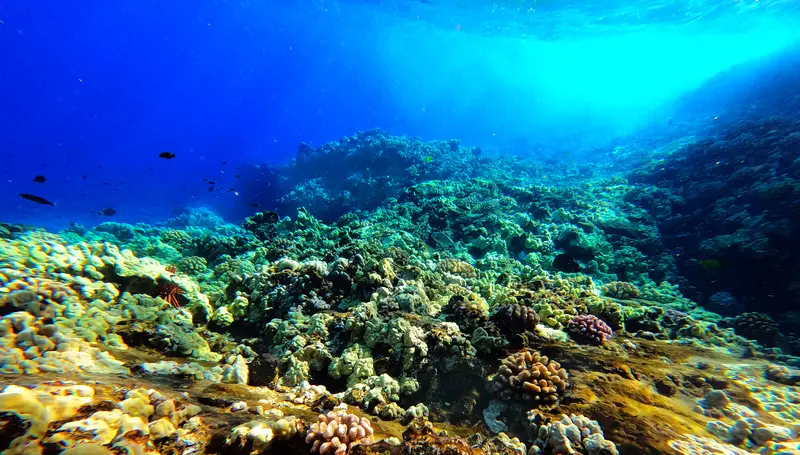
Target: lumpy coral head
(590,327)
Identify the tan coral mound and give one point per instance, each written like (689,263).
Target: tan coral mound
(337,432)
(530,376)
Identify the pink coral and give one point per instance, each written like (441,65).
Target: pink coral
(590,327)
(337,432)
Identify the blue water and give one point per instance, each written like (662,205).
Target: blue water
(94,91)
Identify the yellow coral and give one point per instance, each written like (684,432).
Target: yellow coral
(457,267)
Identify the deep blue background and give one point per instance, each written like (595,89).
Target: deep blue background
(92,91)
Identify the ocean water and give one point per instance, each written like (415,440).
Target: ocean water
(400,227)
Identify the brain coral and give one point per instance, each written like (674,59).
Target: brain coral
(337,432)
(530,376)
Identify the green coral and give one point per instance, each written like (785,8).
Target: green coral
(192,265)
(355,363)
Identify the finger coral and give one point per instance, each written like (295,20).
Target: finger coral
(590,327)
(529,376)
(337,432)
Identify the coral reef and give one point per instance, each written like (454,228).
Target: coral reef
(727,202)
(414,304)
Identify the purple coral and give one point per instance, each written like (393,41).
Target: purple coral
(337,432)
(590,327)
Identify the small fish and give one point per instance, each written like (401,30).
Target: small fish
(428,159)
(210,189)
(442,239)
(255,205)
(40,179)
(566,263)
(108,212)
(36,199)
(711,264)
(166,155)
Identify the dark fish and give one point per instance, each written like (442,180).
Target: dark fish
(238,176)
(84,176)
(711,264)
(108,212)
(255,205)
(224,162)
(106,183)
(210,189)
(40,179)
(166,155)
(566,263)
(36,199)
